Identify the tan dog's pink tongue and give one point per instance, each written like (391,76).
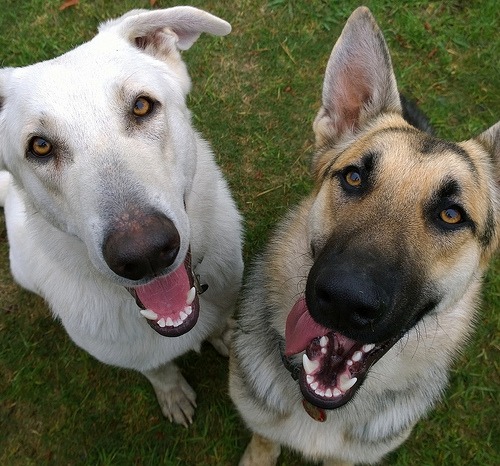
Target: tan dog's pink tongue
(166,295)
(301,329)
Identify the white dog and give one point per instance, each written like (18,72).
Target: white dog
(116,212)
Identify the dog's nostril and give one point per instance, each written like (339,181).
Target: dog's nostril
(143,246)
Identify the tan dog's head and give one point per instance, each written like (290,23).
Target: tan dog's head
(402,225)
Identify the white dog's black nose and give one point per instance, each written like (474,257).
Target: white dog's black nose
(141,245)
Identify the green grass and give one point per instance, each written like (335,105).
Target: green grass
(255,95)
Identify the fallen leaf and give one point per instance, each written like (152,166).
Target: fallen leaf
(68,4)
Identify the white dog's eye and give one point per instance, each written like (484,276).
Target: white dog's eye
(143,106)
(40,147)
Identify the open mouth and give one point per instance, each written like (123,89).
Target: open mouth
(170,303)
(333,365)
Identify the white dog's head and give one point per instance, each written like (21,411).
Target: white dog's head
(100,142)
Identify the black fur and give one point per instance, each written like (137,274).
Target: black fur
(416,117)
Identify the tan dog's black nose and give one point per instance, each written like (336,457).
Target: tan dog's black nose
(141,245)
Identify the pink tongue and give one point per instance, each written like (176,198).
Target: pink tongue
(301,329)
(166,295)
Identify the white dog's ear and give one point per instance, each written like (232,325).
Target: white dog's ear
(183,25)
(359,81)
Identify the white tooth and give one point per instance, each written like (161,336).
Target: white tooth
(183,316)
(336,392)
(169,322)
(357,356)
(319,392)
(346,383)
(310,379)
(177,322)
(349,362)
(161,322)
(314,385)
(309,366)
(323,351)
(188,310)
(323,341)
(329,392)
(368,348)
(149,314)
(190,296)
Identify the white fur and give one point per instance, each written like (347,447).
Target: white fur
(57,213)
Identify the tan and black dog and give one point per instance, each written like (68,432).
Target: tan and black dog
(368,289)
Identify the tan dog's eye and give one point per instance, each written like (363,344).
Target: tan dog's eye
(143,106)
(353,178)
(40,147)
(451,215)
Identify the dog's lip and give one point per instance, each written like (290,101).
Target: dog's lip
(334,366)
(176,311)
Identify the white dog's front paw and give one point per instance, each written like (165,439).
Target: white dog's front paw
(222,341)
(178,403)
(176,397)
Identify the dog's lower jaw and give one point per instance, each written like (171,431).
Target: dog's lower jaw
(171,320)
(334,368)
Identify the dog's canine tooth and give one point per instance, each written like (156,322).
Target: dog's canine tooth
(190,296)
(357,356)
(161,322)
(368,348)
(309,366)
(149,314)
(345,382)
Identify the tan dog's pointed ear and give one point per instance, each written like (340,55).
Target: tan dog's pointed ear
(186,23)
(491,140)
(359,80)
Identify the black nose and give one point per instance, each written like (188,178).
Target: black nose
(141,245)
(346,296)
(349,294)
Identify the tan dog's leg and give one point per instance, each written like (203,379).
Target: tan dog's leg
(260,452)
(333,462)
(176,397)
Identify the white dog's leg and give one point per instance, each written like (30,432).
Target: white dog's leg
(176,397)
(221,341)
(4,186)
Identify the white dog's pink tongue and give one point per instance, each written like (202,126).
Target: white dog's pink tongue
(166,295)
(301,328)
